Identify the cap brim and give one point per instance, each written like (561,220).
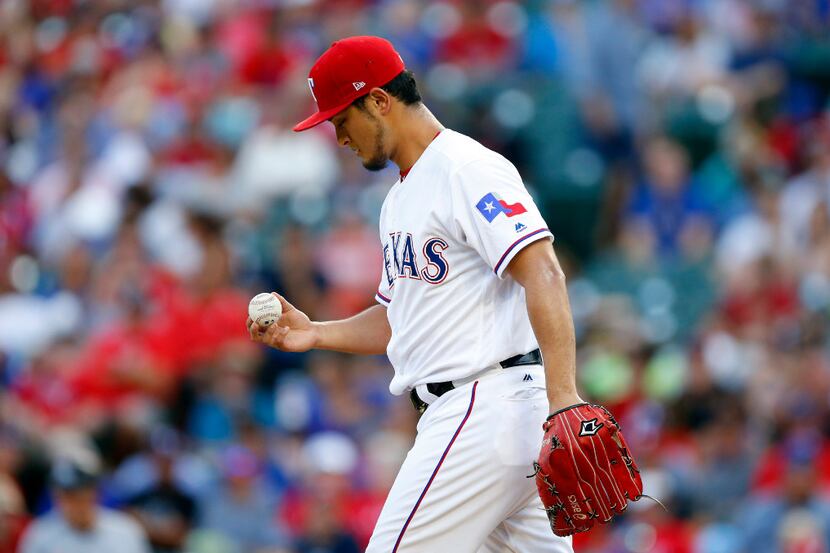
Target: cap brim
(79,482)
(320,117)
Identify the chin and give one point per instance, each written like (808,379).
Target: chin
(376,164)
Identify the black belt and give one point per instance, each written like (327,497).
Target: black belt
(438,389)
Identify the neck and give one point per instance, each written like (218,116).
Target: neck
(418,128)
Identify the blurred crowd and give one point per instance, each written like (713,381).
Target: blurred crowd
(150,185)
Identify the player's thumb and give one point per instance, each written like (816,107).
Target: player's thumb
(286,307)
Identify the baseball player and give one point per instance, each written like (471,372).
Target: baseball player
(471,300)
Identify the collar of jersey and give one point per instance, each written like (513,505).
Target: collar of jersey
(405,172)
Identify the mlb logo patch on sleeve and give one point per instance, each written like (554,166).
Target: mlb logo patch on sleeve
(490,206)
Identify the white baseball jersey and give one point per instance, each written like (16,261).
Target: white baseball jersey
(449,230)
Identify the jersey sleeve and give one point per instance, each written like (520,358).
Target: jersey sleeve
(493,212)
(384,294)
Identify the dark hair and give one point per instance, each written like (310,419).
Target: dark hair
(403,87)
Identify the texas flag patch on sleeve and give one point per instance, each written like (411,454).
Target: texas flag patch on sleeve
(490,206)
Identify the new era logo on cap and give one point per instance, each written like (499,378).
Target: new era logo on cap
(358,86)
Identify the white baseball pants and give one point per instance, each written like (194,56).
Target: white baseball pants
(463,487)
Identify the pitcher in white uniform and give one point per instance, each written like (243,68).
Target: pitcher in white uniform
(471,300)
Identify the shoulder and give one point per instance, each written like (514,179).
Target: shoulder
(41,531)
(47,522)
(114,521)
(463,154)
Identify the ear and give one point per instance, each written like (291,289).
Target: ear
(381,100)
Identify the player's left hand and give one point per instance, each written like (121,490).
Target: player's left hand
(585,472)
(293,331)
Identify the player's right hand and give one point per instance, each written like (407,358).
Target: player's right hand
(293,331)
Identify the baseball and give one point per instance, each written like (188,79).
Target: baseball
(264,309)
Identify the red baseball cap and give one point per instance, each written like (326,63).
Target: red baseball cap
(346,71)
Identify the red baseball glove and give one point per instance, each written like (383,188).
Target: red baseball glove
(585,472)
